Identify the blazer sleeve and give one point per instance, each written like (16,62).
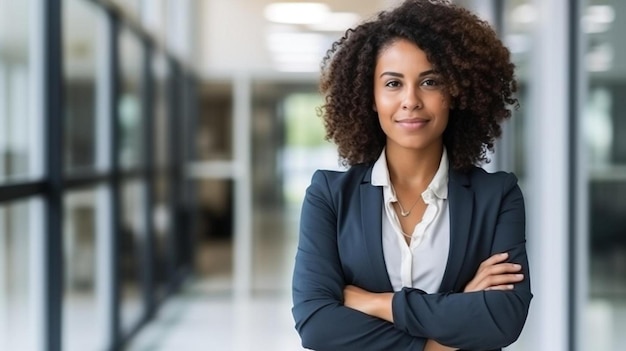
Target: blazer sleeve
(477,320)
(322,320)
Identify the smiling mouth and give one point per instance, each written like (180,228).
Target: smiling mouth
(412,124)
(413,121)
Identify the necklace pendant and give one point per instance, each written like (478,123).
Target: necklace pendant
(404,214)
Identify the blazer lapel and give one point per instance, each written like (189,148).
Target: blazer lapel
(371,221)
(461,200)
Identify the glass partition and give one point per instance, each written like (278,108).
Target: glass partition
(17,325)
(604,128)
(84,323)
(19,136)
(83,56)
(162,217)
(129,107)
(131,248)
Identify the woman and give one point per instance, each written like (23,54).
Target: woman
(413,247)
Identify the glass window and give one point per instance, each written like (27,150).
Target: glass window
(84,323)
(19,136)
(130,100)
(131,246)
(161,122)
(517,33)
(162,218)
(154,17)
(604,129)
(214,135)
(287,146)
(82,57)
(131,7)
(162,210)
(17,325)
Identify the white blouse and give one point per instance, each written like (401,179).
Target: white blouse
(422,263)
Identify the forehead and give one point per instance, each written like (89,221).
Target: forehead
(402,54)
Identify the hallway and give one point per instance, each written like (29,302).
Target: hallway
(206,315)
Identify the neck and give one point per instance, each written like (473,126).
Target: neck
(410,167)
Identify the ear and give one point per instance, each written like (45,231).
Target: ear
(374,108)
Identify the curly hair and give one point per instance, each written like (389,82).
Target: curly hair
(474,64)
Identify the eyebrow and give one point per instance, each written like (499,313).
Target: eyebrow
(400,75)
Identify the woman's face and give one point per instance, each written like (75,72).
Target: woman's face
(409,98)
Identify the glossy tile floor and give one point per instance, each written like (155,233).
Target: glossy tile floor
(206,316)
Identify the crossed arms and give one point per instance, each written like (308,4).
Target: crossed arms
(328,318)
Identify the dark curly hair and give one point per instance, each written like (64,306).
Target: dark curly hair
(463,49)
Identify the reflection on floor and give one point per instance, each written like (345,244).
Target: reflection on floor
(205,316)
(201,319)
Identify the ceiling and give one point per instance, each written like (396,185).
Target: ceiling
(229,37)
(235,35)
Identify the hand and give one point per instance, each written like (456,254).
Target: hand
(379,305)
(373,304)
(432,345)
(494,274)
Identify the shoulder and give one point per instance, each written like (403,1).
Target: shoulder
(329,189)
(355,175)
(481,176)
(336,186)
(491,183)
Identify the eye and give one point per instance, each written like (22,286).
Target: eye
(392,84)
(430,82)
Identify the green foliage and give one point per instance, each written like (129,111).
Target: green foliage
(304,128)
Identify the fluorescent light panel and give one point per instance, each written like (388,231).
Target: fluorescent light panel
(296,13)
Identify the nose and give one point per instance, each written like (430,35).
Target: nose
(412,100)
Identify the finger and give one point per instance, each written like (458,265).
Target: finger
(502,268)
(502,279)
(500,287)
(494,280)
(497,258)
(499,268)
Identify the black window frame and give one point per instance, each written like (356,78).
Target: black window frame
(55,183)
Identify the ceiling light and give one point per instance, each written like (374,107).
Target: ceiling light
(337,22)
(297,13)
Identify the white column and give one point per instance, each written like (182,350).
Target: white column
(181,28)
(103,218)
(35,236)
(104,100)
(4,114)
(35,86)
(547,191)
(486,11)
(242,139)
(4,249)
(104,273)
(37,60)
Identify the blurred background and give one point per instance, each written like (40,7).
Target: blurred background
(154,155)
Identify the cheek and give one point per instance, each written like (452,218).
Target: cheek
(381,105)
(444,105)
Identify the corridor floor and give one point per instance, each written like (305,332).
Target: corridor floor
(206,316)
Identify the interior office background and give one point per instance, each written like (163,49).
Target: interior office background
(152,146)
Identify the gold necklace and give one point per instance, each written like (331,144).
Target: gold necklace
(404,213)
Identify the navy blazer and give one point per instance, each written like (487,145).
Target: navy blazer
(341,243)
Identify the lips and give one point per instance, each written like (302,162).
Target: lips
(412,123)
(413,120)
